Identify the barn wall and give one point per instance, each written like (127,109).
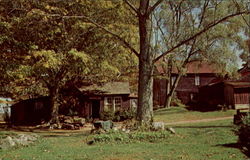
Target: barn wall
(31,111)
(187,89)
(229,96)
(212,95)
(159,92)
(241,95)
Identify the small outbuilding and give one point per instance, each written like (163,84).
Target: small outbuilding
(30,111)
(111,96)
(234,95)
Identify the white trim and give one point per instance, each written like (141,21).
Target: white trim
(197,80)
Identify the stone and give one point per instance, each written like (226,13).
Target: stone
(105,125)
(68,126)
(18,140)
(158,126)
(79,120)
(69,120)
(7,143)
(171,130)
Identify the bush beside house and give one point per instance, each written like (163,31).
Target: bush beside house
(244,134)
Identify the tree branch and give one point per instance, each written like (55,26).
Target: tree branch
(211,25)
(124,42)
(151,9)
(131,6)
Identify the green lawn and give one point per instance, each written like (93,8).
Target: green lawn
(199,141)
(176,114)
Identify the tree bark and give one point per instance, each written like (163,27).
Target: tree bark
(169,96)
(146,66)
(53,91)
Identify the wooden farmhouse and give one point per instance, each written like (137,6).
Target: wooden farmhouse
(197,74)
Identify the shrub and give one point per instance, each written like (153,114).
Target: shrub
(244,134)
(117,116)
(107,115)
(176,102)
(138,136)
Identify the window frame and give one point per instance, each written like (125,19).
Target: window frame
(196,80)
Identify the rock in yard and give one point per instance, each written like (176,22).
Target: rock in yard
(158,126)
(171,130)
(68,126)
(25,139)
(18,140)
(105,125)
(79,120)
(7,143)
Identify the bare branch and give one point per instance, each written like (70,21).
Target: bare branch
(211,25)
(131,6)
(125,43)
(151,9)
(238,8)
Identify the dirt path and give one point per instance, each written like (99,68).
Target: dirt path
(200,120)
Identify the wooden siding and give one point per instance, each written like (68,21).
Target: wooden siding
(31,111)
(242,95)
(87,101)
(187,87)
(229,96)
(159,92)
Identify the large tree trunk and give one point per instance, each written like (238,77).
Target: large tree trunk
(53,91)
(145,90)
(170,94)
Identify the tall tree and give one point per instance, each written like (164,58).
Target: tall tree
(213,47)
(147,58)
(148,55)
(50,48)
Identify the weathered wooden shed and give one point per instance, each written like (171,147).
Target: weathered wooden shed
(30,111)
(237,94)
(232,94)
(112,96)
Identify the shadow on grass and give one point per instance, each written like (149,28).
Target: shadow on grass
(44,132)
(237,146)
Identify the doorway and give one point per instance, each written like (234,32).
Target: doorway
(95,109)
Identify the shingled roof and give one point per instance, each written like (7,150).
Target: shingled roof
(110,88)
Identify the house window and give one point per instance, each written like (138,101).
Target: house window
(118,103)
(197,80)
(112,103)
(109,103)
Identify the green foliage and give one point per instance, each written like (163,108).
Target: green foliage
(118,115)
(244,134)
(38,43)
(121,137)
(206,140)
(107,115)
(177,102)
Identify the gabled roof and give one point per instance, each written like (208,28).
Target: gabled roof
(195,67)
(110,88)
(239,84)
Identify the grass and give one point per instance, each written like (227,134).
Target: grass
(176,114)
(199,141)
